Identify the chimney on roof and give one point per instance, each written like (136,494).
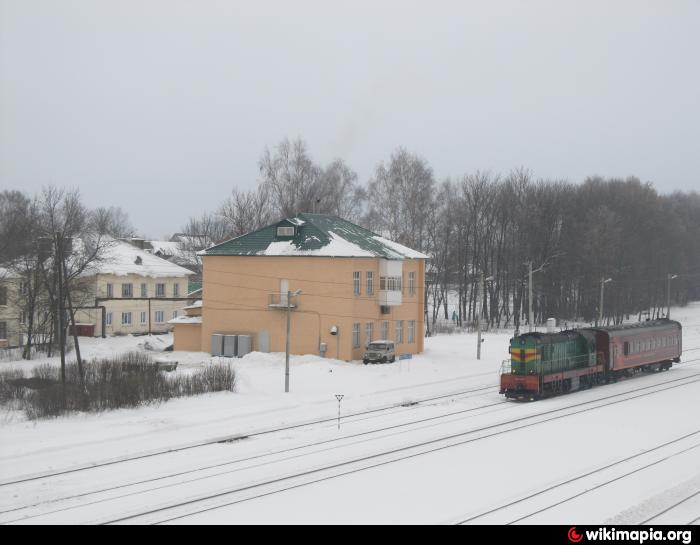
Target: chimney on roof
(138,242)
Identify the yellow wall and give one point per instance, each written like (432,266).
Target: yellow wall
(187,336)
(237,293)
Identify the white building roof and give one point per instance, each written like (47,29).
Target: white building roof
(122,259)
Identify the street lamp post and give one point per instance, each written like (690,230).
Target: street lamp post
(289,323)
(603,281)
(478,315)
(669,277)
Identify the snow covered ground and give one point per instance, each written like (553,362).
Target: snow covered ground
(427,440)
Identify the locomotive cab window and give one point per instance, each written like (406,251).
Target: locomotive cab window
(627,348)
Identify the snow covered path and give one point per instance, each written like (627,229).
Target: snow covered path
(627,452)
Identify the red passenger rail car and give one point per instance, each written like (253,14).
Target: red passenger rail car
(646,346)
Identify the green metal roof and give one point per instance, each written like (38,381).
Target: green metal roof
(315,235)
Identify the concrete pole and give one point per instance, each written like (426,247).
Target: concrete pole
(600,308)
(286,363)
(668,294)
(530,318)
(478,316)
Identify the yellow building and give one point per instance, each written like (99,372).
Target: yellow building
(353,287)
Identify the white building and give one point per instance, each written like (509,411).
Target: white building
(132,291)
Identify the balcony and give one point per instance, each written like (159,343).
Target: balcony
(279,300)
(389,298)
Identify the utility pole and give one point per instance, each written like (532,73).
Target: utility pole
(668,293)
(289,326)
(530,318)
(603,281)
(71,315)
(478,315)
(59,311)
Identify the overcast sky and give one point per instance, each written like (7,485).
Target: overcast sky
(162,106)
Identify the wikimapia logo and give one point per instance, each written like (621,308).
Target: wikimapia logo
(637,536)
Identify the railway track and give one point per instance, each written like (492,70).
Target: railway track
(338,442)
(253,490)
(406,452)
(671,508)
(393,408)
(581,479)
(361,415)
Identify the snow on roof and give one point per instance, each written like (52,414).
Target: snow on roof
(121,259)
(165,247)
(196,304)
(337,247)
(404,251)
(186,320)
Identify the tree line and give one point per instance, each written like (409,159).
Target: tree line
(574,235)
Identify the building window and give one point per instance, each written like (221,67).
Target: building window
(356,283)
(176,290)
(127,290)
(160,290)
(390,283)
(110,290)
(22,317)
(109,318)
(143,318)
(356,335)
(370,283)
(412,282)
(399,331)
(411,331)
(160,316)
(385,330)
(23,288)
(369,332)
(3,296)
(174,314)
(3,331)
(126,318)
(285,231)
(144,290)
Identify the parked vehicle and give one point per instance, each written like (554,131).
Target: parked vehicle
(379,351)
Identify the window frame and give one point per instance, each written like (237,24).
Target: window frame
(284,231)
(356,335)
(398,331)
(356,283)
